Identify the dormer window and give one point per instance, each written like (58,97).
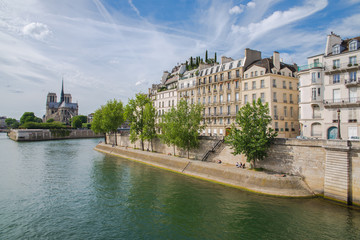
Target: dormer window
(336,49)
(353,45)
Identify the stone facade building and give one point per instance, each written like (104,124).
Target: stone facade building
(61,111)
(330,86)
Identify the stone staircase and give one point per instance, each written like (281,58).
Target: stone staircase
(337,175)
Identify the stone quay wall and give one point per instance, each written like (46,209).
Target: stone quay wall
(47,134)
(329,167)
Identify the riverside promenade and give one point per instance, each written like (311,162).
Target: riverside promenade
(230,175)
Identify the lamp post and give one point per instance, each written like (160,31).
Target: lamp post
(338,129)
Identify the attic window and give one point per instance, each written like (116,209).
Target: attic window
(211,70)
(217,68)
(231,65)
(239,63)
(353,45)
(336,49)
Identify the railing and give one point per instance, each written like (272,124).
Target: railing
(310,66)
(342,66)
(338,101)
(352,81)
(218,143)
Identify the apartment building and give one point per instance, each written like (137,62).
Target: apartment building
(275,83)
(337,115)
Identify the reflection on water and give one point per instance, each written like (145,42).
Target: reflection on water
(66,190)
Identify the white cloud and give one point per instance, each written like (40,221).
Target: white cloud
(251,4)
(347,27)
(141,82)
(236,9)
(36,30)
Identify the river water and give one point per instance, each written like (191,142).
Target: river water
(65,190)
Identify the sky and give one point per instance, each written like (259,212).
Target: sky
(113,49)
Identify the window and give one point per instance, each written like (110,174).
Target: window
(221,98)
(237,84)
(262,97)
(215,123)
(353,94)
(275,112)
(292,126)
(220,121)
(237,96)
(291,111)
(336,49)
(261,72)
(228,86)
(316,111)
(284,84)
(336,95)
(215,87)
(262,83)
(203,100)
(353,45)
(246,86)
(221,77)
(209,99)
(276,126)
(245,99)
(253,85)
(228,121)
(319,91)
(204,80)
(237,73)
(199,101)
(229,75)
(221,87)
(291,98)
(313,77)
(246,75)
(284,98)
(336,63)
(210,79)
(214,110)
(252,74)
(274,97)
(352,76)
(236,109)
(228,97)
(228,110)
(256,73)
(336,78)
(352,61)
(214,98)
(231,65)
(319,75)
(285,111)
(215,78)
(221,112)
(313,94)
(274,83)
(254,97)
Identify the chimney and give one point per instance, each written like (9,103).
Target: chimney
(226,59)
(276,60)
(251,56)
(331,40)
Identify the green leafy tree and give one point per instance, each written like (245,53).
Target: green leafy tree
(82,118)
(97,124)
(215,58)
(76,122)
(12,123)
(150,123)
(191,62)
(254,136)
(181,126)
(50,120)
(134,112)
(113,116)
(29,117)
(206,56)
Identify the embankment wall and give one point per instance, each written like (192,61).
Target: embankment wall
(47,134)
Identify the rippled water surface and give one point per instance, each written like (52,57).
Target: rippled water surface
(66,190)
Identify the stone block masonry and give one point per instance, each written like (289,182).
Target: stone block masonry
(330,168)
(47,134)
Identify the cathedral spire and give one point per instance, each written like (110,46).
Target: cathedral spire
(62,92)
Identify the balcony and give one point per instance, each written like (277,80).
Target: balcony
(352,82)
(342,102)
(310,66)
(347,66)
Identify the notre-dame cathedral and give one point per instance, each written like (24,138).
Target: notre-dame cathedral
(63,110)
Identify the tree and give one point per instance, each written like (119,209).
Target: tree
(76,122)
(215,58)
(149,123)
(82,118)
(29,117)
(97,124)
(181,126)
(206,56)
(12,123)
(113,116)
(254,136)
(134,112)
(191,62)
(50,120)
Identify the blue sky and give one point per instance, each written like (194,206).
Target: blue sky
(106,49)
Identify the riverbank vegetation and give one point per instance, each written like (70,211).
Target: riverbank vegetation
(252,135)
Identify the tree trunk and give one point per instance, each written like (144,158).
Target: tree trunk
(252,164)
(115,139)
(174,149)
(105,139)
(152,149)
(142,144)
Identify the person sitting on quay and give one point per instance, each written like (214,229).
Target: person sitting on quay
(219,161)
(237,164)
(243,166)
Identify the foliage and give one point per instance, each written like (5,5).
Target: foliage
(50,120)
(29,117)
(134,112)
(36,125)
(86,125)
(97,125)
(76,122)
(254,136)
(149,123)
(181,126)
(12,123)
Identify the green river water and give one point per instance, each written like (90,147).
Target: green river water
(66,190)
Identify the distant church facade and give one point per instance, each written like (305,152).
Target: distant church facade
(63,110)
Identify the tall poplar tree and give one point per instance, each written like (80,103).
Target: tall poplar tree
(134,112)
(206,56)
(150,123)
(215,58)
